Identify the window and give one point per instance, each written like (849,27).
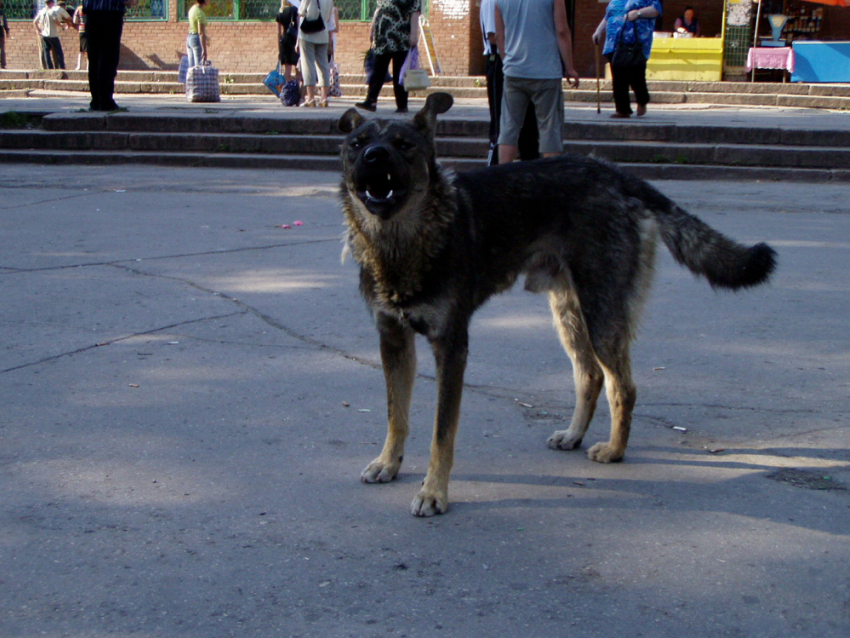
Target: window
(148,10)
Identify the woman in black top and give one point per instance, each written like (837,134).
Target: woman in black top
(287,36)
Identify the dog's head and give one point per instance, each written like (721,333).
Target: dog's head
(385,163)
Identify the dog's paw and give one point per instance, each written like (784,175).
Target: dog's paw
(563,440)
(605,453)
(379,471)
(429,503)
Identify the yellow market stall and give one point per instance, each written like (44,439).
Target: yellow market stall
(699,59)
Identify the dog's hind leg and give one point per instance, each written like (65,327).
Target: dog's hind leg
(615,360)
(450,355)
(398,355)
(588,375)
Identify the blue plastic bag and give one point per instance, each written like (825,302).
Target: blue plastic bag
(274,81)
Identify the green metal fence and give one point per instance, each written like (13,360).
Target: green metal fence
(144,10)
(349,10)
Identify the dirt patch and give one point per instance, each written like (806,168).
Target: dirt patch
(807,479)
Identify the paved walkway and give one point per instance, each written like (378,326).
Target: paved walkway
(680,114)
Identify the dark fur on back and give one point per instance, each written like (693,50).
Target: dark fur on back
(433,246)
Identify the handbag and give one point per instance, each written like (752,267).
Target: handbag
(413,78)
(274,81)
(202,84)
(315,25)
(627,55)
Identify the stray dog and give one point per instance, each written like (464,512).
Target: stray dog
(433,246)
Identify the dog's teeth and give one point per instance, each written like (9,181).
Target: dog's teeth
(389,177)
(390,194)
(369,195)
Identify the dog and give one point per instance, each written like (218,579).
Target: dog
(434,245)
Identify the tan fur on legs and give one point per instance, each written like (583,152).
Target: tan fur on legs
(433,498)
(588,375)
(398,355)
(621,399)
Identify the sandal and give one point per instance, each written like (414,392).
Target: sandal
(309,103)
(323,104)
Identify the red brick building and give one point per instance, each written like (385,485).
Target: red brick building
(243,35)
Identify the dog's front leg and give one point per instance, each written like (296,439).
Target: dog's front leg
(450,356)
(398,355)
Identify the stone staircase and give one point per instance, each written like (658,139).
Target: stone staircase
(828,96)
(294,139)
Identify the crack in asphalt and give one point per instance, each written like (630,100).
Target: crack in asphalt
(109,342)
(118,262)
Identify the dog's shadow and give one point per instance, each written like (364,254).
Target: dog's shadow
(738,481)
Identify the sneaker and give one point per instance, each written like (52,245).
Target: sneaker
(366,106)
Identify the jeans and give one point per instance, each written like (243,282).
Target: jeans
(103,32)
(622,79)
(49,45)
(315,56)
(382,64)
(193,50)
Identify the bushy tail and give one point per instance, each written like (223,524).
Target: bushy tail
(708,253)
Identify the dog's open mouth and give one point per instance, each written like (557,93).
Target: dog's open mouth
(381,193)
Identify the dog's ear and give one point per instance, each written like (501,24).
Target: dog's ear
(349,121)
(437,103)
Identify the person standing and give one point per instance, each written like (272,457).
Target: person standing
(528,141)
(287,38)
(4,33)
(394,31)
(313,47)
(104,25)
(80,22)
(47,22)
(628,21)
(535,41)
(196,41)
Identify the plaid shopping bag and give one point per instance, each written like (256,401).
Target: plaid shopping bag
(336,87)
(202,84)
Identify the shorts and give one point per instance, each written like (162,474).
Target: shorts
(84,43)
(548,99)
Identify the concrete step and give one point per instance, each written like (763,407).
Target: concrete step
(466,147)
(268,125)
(828,96)
(327,163)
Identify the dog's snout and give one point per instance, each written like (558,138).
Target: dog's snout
(375,154)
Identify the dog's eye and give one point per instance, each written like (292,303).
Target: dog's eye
(403,145)
(355,144)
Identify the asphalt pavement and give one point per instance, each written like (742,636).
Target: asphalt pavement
(191,385)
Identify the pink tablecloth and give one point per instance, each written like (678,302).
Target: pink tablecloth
(771,58)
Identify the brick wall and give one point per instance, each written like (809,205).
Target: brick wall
(252,46)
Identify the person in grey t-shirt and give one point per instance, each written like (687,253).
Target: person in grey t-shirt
(536,45)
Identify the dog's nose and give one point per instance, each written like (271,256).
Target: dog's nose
(375,154)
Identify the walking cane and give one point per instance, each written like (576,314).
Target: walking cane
(598,95)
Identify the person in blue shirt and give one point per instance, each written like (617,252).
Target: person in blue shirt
(633,21)
(104,25)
